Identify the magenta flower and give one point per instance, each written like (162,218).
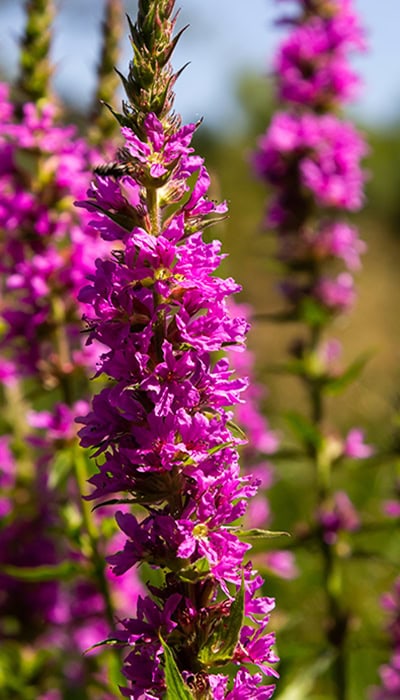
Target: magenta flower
(48,248)
(281,563)
(321,151)
(311,160)
(162,431)
(355,447)
(390,673)
(341,515)
(312,63)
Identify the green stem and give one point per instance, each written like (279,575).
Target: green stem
(97,560)
(337,624)
(14,412)
(79,463)
(103,122)
(153,209)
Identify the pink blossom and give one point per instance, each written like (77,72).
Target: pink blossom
(355,447)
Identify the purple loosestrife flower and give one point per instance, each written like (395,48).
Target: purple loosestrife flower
(162,429)
(47,248)
(310,158)
(355,447)
(390,673)
(341,515)
(7,475)
(312,63)
(320,153)
(262,442)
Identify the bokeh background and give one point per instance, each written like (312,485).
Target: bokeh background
(227,38)
(229,45)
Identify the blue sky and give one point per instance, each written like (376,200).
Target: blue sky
(226,37)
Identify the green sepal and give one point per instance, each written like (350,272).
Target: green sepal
(125,222)
(115,502)
(165,56)
(222,644)
(176,686)
(122,119)
(38,574)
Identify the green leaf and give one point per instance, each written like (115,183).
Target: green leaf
(104,643)
(60,572)
(114,502)
(257,534)
(335,386)
(303,429)
(236,430)
(303,683)
(60,469)
(313,313)
(235,622)
(218,448)
(221,646)
(176,686)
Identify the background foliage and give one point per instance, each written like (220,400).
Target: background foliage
(372,401)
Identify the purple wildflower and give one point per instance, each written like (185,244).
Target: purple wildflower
(162,430)
(341,515)
(48,248)
(390,672)
(311,160)
(355,446)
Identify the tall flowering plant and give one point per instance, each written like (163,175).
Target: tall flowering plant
(161,430)
(390,673)
(310,157)
(57,597)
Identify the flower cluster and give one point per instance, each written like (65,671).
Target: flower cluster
(390,673)
(340,515)
(47,248)
(162,430)
(312,63)
(311,158)
(262,443)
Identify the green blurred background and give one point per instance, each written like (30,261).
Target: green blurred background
(228,85)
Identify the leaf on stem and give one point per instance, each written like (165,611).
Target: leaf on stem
(257,534)
(303,429)
(176,686)
(338,384)
(38,574)
(220,648)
